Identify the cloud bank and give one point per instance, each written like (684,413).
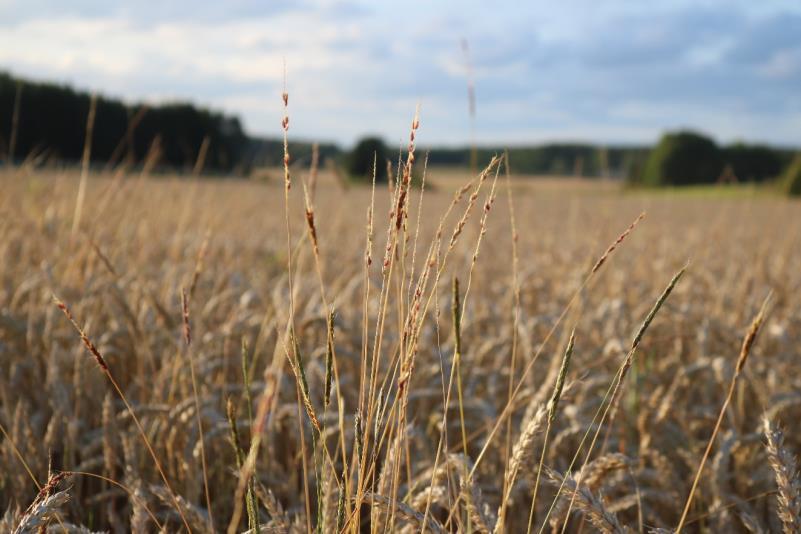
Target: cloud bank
(615,71)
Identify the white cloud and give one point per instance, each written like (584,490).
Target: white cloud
(616,70)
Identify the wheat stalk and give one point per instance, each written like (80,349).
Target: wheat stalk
(785,468)
(745,350)
(615,387)
(594,509)
(101,362)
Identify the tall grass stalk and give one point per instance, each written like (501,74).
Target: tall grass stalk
(87,154)
(515,322)
(101,362)
(616,386)
(745,350)
(196,397)
(507,410)
(552,405)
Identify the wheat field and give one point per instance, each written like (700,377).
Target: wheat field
(241,372)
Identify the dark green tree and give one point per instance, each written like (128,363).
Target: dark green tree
(754,163)
(683,158)
(53,119)
(368,151)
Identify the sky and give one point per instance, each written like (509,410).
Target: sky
(610,71)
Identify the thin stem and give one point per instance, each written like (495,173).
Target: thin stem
(745,350)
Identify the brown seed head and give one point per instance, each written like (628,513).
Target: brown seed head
(750,337)
(52,482)
(185,315)
(86,341)
(312,228)
(617,242)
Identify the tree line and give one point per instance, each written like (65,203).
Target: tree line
(686,157)
(679,158)
(49,121)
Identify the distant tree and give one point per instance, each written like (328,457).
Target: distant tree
(552,158)
(361,159)
(791,182)
(753,163)
(53,119)
(683,158)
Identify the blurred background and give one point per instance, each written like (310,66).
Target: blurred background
(580,88)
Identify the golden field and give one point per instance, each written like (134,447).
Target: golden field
(413,435)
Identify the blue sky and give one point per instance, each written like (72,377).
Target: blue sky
(614,71)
